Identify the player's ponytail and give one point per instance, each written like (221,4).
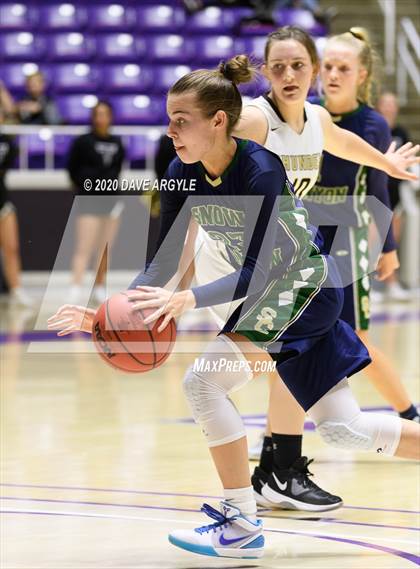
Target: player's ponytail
(216,90)
(369,59)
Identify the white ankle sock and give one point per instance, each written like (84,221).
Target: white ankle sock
(243,499)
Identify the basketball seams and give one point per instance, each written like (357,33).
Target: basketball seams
(104,317)
(124,346)
(168,352)
(148,331)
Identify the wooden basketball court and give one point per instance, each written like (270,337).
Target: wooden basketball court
(98,466)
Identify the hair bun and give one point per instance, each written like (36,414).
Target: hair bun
(239,69)
(360,33)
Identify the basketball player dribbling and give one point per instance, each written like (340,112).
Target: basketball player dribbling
(243,197)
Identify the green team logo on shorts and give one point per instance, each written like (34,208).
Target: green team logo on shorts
(282,302)
(265,320)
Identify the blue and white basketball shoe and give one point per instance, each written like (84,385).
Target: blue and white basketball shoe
(232,535)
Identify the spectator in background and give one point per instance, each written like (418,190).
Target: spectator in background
(164,156)
(7,105)
(36,107)
(388,107)
(9,230)
(97,155)
(165,153)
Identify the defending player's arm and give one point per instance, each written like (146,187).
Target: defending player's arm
(252,125)
(345,144)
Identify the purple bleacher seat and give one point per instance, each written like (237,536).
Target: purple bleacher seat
(140,146)
(256,28)
(21,46)
(72,46)
(161,18)
(129,78)
(212,20)
(166,75)
(138,109)
(38,144)
(211,49)
(136,148)
(111,17)
(76,109)
(254,46)
(63,16)
(120,47)
(17,16)
(76,77)
(170,48)
(256,87)
(62,145)
(301,18)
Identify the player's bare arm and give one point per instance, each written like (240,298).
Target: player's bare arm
(252,125)
(349,146)
(71,318)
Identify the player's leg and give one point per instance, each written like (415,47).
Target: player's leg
(285,470)
(108,233)
(222,369)
(9,245)
(342,424)
(87,233)
(356,312)
(382,373)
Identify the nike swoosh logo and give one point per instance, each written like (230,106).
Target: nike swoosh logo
(224,541)
(281,485)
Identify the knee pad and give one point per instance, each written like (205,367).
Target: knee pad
(366,431)
(221,370)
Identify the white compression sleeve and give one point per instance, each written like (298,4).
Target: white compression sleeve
(341,423)
(221,370)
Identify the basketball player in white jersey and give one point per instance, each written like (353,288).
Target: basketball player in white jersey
(297,131)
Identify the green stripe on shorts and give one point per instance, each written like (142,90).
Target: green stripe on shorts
(361,282)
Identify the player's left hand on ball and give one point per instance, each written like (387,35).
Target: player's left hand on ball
(401,159)
(387,264)
(167,303)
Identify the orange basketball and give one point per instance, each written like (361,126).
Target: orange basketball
(123,340)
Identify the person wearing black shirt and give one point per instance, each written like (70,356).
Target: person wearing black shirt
(94,167)
(9,229)
(36,107)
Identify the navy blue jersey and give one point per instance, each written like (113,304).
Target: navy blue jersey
(252,210)
(339,179)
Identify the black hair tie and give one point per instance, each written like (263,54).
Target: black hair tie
(225,71)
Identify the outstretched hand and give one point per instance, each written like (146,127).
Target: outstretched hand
(401,159)
(70,318)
